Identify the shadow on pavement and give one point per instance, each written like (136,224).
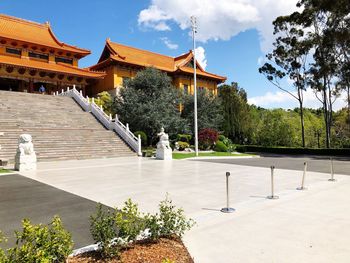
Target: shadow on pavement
(21,197)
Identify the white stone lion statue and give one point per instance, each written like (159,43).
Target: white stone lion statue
(25,145)
(25,157)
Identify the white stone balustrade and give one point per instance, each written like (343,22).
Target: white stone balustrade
(107,121)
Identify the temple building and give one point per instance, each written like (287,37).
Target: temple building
(122,62)
(32,59)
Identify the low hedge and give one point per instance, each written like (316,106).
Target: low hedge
(294,150)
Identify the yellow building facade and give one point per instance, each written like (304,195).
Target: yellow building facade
(121,62)
(32,58)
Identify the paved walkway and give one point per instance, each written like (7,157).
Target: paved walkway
(302,226)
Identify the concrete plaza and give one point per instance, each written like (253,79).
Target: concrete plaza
(301,226)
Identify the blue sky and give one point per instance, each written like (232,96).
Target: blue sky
(234,34)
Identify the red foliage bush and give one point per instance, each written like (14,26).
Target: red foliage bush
(207,138)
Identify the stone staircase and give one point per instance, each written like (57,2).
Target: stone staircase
(61,130)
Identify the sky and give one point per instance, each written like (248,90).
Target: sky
(232,40)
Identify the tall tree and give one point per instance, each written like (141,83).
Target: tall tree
(289,59)
(321,19)
(236,124)
(150,102)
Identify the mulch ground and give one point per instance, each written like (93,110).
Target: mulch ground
(171,249)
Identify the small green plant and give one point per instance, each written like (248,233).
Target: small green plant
(143,137)
(103,230)
(153,226)
(41,243)
(172,221)
(182,145)
(220,147)
(3,257)
(129,221)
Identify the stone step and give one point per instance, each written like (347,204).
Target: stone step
(60,128)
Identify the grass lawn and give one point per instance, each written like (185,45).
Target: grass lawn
(2,171)
(210,154)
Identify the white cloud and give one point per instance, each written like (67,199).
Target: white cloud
(168,43)
(200,57)
(217,20)
(154,17)
(281,99)
(161,26)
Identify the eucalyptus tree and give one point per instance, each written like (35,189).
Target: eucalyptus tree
(289,60)
(322,19)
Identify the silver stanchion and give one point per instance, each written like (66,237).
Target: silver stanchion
(302,187)
(332,172)
(272,196)
(227,209)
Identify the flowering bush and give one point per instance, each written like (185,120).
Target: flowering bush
(207,138)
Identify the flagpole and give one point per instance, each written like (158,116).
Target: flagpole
(194,31)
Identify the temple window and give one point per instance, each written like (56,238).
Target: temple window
(200,88)
(64,60)
(185,89)
(13,51)
(38,55)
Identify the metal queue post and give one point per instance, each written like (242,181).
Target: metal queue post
(332,172)
(302,187)
(272,196)
(227,209)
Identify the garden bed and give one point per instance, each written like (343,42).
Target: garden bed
(164,251)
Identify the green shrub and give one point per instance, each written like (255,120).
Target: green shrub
(113,229)
(153,226)
(220,147)
(183,145)
(129,221)
(103,230)
(172,221)
(293,150)
(184,138)
(143,137)
(221,138)
(3,257)
(40,243)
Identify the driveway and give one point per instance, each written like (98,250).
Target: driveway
(316,164)
(22,197)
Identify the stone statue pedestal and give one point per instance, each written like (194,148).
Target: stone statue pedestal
(164,154)
(25,162)
(25,158)
(164,151)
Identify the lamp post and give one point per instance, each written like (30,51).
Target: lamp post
(194,31)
